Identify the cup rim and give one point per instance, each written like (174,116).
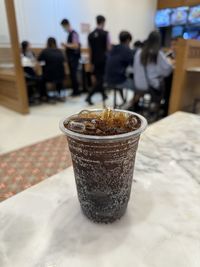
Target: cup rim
(72,134)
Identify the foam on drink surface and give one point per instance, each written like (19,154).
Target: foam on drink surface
(105,123)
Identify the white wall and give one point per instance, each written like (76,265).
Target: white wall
(4,32)
(39,19)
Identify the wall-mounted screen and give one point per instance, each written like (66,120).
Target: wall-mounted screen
(177,31)
(194,15)
(162,18)
(191,34)
(179,15)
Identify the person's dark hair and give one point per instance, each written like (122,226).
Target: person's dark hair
(138,44)
(151,48)
(65,22)
(24,46)
(100,19)
(124,36)
(51,42)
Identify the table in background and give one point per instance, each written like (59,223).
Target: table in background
(43,226)
(197,69)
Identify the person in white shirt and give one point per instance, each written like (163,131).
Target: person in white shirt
(150,66)
(27,52)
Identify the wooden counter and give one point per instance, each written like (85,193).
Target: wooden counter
(186,80)
(178,3)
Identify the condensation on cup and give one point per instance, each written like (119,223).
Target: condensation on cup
(103,166)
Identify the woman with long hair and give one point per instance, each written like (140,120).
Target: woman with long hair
(26,51)
(151,66)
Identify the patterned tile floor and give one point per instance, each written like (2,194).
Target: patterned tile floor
(28,166)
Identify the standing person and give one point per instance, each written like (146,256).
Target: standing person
(72,47)
(99,44)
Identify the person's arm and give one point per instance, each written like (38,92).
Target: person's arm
(128,57)
(109,45)
(41,56)
(164,64)
(65,66)
(90,55)
(89,50)
(33,55)
(74,44)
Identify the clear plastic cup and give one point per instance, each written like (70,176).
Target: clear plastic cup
(103,169)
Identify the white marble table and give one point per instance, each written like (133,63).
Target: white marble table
(44,227)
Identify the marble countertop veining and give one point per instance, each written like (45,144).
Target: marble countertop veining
(44,227)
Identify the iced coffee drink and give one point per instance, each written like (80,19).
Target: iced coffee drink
(103,146)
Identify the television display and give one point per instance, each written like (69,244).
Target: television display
(179,15)
(177,31)
(162,18)
(194,15)
(191,34)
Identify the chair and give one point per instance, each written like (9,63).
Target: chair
(152,107)
(117,89)
(55,89)
(32,86)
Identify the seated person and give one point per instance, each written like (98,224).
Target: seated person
(171,53)
(151,66)
(119,58)
(137,45)
(28,58)
(36,89)
(27,52)
(53,70)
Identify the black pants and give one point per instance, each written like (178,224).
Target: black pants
(99,75)
(38,83)
(73,67)
(59,86)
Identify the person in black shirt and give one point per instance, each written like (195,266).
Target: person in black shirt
(99,44)
(53,70)
(72,47)
(119,58)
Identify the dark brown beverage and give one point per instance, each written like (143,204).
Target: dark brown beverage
(103,146)
(105,123)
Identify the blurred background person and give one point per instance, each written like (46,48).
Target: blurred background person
(99,45)
(171,53)
(151,66)
(53,70)
(27,52)
(119,58)
(35,87)
(137,45)
(72,47)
